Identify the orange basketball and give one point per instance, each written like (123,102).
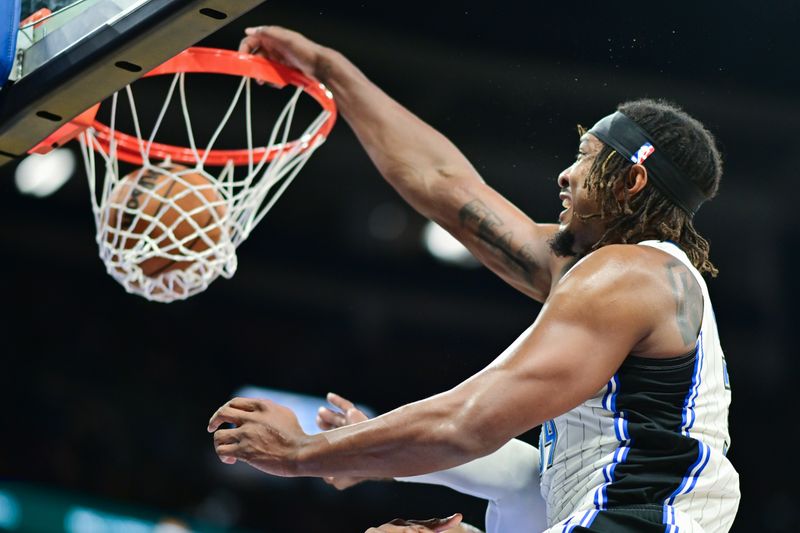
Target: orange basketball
(170,211)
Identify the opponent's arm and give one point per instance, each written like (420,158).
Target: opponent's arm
(511,469)
(508,478)
(428,171)
(596,315)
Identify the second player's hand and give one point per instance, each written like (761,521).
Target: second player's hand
(434,525)
(347,413)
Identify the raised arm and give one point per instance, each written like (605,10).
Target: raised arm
(428,171)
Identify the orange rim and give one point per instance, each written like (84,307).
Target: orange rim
(209,61)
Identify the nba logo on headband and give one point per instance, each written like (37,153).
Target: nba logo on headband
(645,151)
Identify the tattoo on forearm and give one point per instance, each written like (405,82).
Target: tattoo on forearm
(477,216)
(504,241)
(525,254)
(688,300)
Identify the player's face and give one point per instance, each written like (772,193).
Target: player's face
(576,200)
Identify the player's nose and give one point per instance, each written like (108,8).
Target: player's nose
(563,179)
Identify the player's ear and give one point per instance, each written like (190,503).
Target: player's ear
(636,179)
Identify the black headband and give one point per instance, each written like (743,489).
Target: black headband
(632,142)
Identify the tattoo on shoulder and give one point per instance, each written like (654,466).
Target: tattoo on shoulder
(688,300)
(488,226)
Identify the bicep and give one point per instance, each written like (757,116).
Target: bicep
(579,340)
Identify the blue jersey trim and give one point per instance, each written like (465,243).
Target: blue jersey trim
(586,521)
(622,435)
(668,519)
(688,415)
(690,479)
(688,418)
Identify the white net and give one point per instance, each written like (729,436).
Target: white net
(166,231)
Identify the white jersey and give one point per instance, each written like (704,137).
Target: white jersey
(654,438)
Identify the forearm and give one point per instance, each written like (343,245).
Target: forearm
(421,437)
(435,178)
(418,161)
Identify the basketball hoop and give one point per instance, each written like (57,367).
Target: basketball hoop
(234,204)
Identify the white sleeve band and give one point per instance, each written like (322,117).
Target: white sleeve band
(513,467)
(508,478)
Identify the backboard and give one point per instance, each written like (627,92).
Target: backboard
(86,50)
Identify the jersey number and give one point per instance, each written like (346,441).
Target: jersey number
(547,445)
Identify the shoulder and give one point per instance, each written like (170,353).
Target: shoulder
(620,282)
(614,298)
(619,266)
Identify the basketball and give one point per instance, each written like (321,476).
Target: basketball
(168,213)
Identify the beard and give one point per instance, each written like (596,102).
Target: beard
(562,242)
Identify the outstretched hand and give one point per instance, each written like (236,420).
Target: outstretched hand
(265,435)
(346,414)
(283,46)
(433,525)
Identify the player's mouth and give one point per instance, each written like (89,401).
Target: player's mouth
(566,203)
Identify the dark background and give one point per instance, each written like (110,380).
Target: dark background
(107,394)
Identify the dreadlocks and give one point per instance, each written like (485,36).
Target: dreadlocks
(649,214)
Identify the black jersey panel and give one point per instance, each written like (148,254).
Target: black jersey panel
(652,397)
(626,520)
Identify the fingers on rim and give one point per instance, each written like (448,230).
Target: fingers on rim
(248,44)
(268,29)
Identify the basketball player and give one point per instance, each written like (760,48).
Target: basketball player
(623,366)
